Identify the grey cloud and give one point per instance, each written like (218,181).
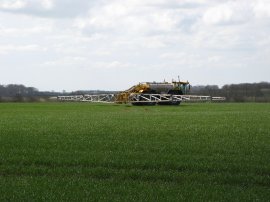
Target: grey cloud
(60,8)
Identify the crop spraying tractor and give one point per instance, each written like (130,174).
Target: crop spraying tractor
(146,93)
(151,93)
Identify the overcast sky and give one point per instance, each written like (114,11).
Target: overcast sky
(113,44)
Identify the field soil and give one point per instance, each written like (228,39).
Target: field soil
(109,152)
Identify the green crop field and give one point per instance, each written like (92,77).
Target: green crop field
(99,152)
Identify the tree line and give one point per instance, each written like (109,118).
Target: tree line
(20,93)
(244,92)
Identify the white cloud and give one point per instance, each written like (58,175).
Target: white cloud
(12,4)
(229,13)
(5,49)
(128,17)
(15,32)
(262,8)
(219,14)
(112,65)
(47,4)
(77,62)
(70,61)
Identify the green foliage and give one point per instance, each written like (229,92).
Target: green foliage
(82,152)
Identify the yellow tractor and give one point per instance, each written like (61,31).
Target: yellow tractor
(151,93)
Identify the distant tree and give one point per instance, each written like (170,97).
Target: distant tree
(245,92)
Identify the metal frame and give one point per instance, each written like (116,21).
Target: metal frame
(196,98)
(103,98)
(218,98)
(71,98)
(139,98)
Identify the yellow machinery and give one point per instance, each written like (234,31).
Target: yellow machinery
(124,96)
(151,93)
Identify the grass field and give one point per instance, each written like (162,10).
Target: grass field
(82,151)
